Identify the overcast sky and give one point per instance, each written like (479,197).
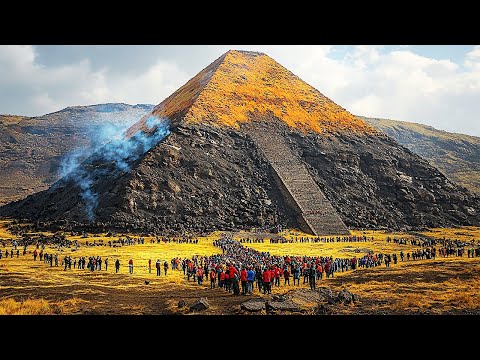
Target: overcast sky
(433,85)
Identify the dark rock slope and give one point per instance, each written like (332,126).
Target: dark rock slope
(203,178)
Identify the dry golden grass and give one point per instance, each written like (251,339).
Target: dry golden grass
(418,286)
(11,119)
(411,301)
(466,233)
(335,249)
(437,286)
(465,300)
(38,307)
(3,230)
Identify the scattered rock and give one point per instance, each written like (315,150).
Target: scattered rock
(287,305)
(323,309)
(327,295)
(279,298)
(200,304)
(181,304)
(304,298)
(256,304)
(325,292)
(345,297)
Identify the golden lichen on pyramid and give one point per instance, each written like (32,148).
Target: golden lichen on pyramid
(241,86)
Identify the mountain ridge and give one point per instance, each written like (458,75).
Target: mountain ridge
(456,155)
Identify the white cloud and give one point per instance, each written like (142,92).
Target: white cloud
(150,86)
(35,89)
(472,60)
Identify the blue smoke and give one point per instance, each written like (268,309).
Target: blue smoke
(109,145)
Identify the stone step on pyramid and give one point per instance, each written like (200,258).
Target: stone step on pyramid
(315,213)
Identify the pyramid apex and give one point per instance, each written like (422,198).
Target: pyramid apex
(246,52)
(243,86)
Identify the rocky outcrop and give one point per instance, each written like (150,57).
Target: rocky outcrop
(254,305)
(286,305)
(200,305)
(373,180)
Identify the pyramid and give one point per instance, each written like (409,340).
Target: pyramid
(251,145)
(242,84)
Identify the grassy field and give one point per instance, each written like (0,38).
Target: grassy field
(335,249)
(31,287)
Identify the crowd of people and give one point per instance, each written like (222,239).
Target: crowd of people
(240,269)
(242,265)
(430,246)
(318,239)
(178,240)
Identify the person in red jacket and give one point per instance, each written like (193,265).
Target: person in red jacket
(200,275)
(319,272)
(233,274)
(267,277)
(276,273)
(243,279)
(232,271)
(213,278)
(221,282)
(227,281)
(327,268)
(234,277)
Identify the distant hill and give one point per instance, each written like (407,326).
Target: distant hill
(31,147)
(456,155)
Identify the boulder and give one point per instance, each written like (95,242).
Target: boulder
(200,305)
(287,305)
(325,292)
(323,309)
(345,297)
(279,298)
(304,297)
(327,295)
(256,304)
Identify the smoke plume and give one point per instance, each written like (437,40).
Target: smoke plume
(109,144)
